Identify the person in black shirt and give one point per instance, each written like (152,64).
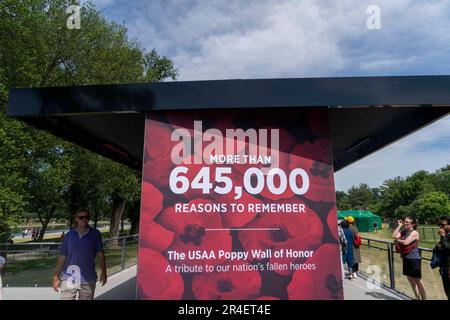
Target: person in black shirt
(444,246)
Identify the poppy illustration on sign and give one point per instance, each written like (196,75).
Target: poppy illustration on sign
(230,206)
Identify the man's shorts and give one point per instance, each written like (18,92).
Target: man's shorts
(85,291)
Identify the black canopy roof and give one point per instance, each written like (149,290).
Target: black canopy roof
(366,113)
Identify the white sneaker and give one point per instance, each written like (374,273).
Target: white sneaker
(355,275)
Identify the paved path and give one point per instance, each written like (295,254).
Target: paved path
(122,286)
(361,289)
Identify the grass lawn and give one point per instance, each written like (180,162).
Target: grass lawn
(39,271)
(374,256)
(55,237)
(426,235)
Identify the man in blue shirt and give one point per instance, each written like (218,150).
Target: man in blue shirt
(80,247)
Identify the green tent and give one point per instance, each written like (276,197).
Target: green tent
(364,219)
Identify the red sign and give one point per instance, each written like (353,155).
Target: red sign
(238,205)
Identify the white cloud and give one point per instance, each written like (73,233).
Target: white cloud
(225,39)
(291,38)
(385,64)
(287,43)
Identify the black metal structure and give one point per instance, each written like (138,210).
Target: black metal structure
(366,113)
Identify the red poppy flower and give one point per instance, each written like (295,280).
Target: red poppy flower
(235,219)
(228,285)
(318,123)
(286,140)
(185,119)
(192,234)
(321,178)
(151,202)
(267,298)
(154,236)
(158,171)
(158,147)
(332,222)
(152,279)
(158,142)
(323,283)
(319,150)
(294,231)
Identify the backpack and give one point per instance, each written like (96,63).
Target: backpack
(436,258)
(357,240)
(342,240)
(405,249)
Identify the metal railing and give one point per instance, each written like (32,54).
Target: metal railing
(430,277)
(32,264)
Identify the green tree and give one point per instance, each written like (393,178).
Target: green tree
(441,180)
(14,165)
(399,193)
(125,187)
(360,197)
(431,206)
(342,201)
(37,49)
(88,183)
(132,213)
(49,176)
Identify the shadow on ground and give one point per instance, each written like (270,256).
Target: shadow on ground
(381,296)
(124,291)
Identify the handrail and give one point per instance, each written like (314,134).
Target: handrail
(39,250)
(389,248)
(58,243)
(391,242)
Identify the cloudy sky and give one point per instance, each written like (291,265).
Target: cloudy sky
(229,39)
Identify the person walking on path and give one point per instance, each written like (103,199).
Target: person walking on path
(356,246)
(444,247)
(407,243)
(348,255)
(79,248)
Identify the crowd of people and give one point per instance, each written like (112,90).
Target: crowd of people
(350,242)
(407,241)
(34,233)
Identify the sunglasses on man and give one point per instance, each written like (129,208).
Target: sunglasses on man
(442,225)
(83,217)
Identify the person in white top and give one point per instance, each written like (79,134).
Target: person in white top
(2,263)
(342,247)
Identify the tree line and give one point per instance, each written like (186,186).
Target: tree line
(423,195)
(40,173)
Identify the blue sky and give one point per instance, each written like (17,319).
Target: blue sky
(228,39)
